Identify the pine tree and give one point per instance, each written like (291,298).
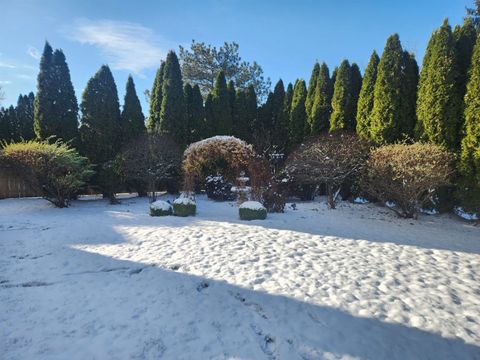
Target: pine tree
(298,115)
(365,101)
(221,106)
(172,115)
(408,99)
(24,112)
(386,119)
(322,107)
(439,104)
(312,85)
(133,121)
(56,107)
(194,113)
(470,146)
(100,122)
(342,102)
(156,98)
(464,42)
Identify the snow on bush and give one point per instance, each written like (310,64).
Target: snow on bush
(465,215)
(185,205)
(217,188)
(252,210)
(160,208)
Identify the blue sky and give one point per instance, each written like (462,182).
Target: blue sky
(285,37)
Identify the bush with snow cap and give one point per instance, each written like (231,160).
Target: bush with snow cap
(252,210)
(185,205)
(160,208)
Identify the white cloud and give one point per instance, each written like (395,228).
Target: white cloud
(5,82)
(33,52)
(6,65)
(127,46)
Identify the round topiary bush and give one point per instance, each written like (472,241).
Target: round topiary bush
(252,210)
(160,208)
(184,206)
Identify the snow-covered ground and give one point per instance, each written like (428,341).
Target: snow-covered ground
(96,281)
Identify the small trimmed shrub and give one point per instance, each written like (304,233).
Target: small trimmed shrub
(252,210)
(55,170)
(184,206)
(160,208)
(407,175)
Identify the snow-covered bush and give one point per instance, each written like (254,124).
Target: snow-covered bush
(407,175)
(274,197)
(185,205)
(160,208)
(217,188)
(252,210)
(332,159)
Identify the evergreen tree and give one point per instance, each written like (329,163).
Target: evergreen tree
(312,85)
(194,113)
(356,80)
(172,116)
(56,107)
(332,83)
(133,121)
(231,95)
(470,149)
(322,108)
(408,99)
(100,122)
(365,101)
(464,42)
(386,120)
(298,115)
(241,127)
(279,132)
(210,124)
(439,104)
(5,125)
(288,99)
(221,106)
(156,98)
(251,107)
(342,102)
(24,112)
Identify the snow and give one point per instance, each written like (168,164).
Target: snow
(465,215)
(160,205)
(184,200)
(96,281)
(360,200)
(222,138)
(252,205)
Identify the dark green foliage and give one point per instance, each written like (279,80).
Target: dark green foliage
(288,99)
(365,101)
(343,114)
(180,209)
(464,42)
(160,212)
(100,129)
(298,115)
(221,107)
(250,214)
(56,107)
(194,113)
(279,129)
(409,95)
(386,120)
(24,112)
(156,98)
(322,108)
(312,85)
(210,125)
(251,106)
(172,116)
(356,85)
(470,147)
(241,123)
(231,95)
(439,104)
(9,125)
(133,121)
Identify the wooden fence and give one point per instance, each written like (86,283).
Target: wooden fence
(11,186)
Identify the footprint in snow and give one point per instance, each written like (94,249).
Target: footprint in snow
(202,286)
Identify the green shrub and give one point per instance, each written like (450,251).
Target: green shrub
(252,210)
(55,170)
(184,206)
(160,208)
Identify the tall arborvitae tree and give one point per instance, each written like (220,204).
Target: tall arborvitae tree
(24,112)
(439,104)
(298,115)
(312,85)
(322,107)
(241,127)
(251,106)
(342,101)
(221,106)
(194,113)
(409,95)
(133,121)
(172,116)
(56,107)
(156,99)
(365,100)
(465,36)
(288,99)
(356,81)
(470,153)
(210,119)
(100,122)
(332,82)
(5,125)
(231,95)
(279,133)
(386,119)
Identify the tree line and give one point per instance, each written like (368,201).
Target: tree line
(394,101)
